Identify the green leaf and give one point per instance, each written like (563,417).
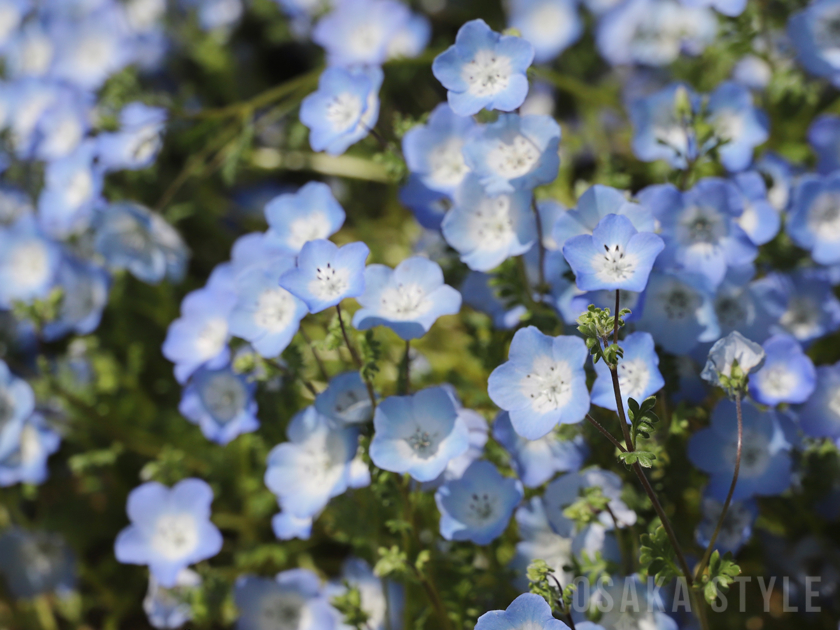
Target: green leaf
(719,575)
(656,556)
(643,458)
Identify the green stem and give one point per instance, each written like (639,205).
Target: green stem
(355,355)
(315,354)
(407,361)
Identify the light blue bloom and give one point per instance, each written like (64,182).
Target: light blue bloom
(726,352)
(628,602)
(382,600)
(539,541)
(14,203)
(824,138)
(170,528)
(27,461)
(358,32)
(484,70)
(731,8)
(410,39)
(309,214)
(13,12)
(543,382)
(487,230)
(813,32)
(753,72)
(477,431)
(85,287)
(138,141)
(294,598)
(804,306)
(745,305)
(344,108)
(678,311)
(514,153)
(318,462)
(616,256)
(737,526)
(64,124)
(428,206)
(638,373)
(34,563)
(526,611)
(130,236)
(814,220)
(480,295)
(257,250)
(265,314)
(779,175)
(537,461)
(73,185)
(787,376)
(345,400)
(407,299)
(220,402)
(217,15)
(326,274)
(28,262)
(551,26)
(735,119)
(765,458)
(17,402)
(658,133)
(700,227)
(418,434)
(820,415)
(566,489)
(169,608)
(434,151)
(760,218)
(287,526)
(478,506)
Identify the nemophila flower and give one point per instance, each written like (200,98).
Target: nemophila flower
(433,152)
(73,184)
(638,373)
(26,462)
(130,236)
(265,314)
(566,489)
(480,295)
(736,529)
(824,138)
(138,141)
(428,206)
(382,600)
(820,415)
(653,32)
(678,311)
(345,400)
(477,432)
(484,70)
(731,113)
(287,526)
(753,72)
(804,306)
(487,230)
(628,602)
(727,353)
(294,599)
(543,382)
(12,14)
(700,227)
(765,457)
(258,250)
(813,32)
(525,612)
(326,274)
(14,203)
(28,262)
(358,32)
(779,175)
(814,220)
(514,153)
(170,528)
(418,434)
(407,299)
(537,461)
(315,465)
(308,214)
(787,376)
(26,102)
(539,541)
(85,286)
(17,402)
(760,219)
(551,26)
(30,52)
(594,205)
(62,127)
(615,256)
(221,402)
(477,506)
(658,132)
(36,562)
(410,39)
(726,7)
(169,608)
(344,108)
(217,15)
(745,305)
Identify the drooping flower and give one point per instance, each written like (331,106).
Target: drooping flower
(731,361)
(638,373)
(28,262)
(550,26)
(345,400)
(169,608)
(138,141)
(814,220)
(293,598)
(309,214)
(526,611)
(787,376)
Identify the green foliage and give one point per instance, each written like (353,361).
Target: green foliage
(643,458)
(597,327)
(720,573)
(40,311)
(349,604)
(642,417)
(543,582)
(371,352)
(656,557)
(587,507)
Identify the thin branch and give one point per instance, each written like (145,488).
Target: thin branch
(407,367)
(560,601)
(315,354)
(541,250)
(605,433)
(356,358)
(286,372)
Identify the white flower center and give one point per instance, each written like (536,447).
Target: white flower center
(827,32)
(614,265)
(801,317)
(275,309)
(755,453)
(145,144)
(487,74)
(93,53)
(366,38)
(749,218)
(633,376)
(35,55)
(210,341)
(348,400)
(282,611)
(447,163)
(79,188)
(9,20)
(134,238)
(481,508)
(30,264)
(834,403)
(514,159)
(549,21)
(668,131)
(65,137)
(824,216)
(329,282)
(777,380)
(309,228)
(404,302)
(224,396)
(701,225)
(548,385)
(343,111)
(143,14)
(729,124)
(423,443)
(30,445)
(175,535)
(491,222)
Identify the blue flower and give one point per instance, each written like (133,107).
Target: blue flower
(814,221)
(85,288)
(737,526)
(17,402)
(410,39)
(130,236)
(170,528)
(487,230)
(678,311)
(628,602)
(72,187)
(358,32)
(433,152)
(514,153)
(813,33)
(309,214)
(326,274)
(745,305)
(551,26)
(765,457)
(804,306)
(287,526)
(824,137)
(407,299)
(760,219)
(64,124)
(428,206)
(477,431)
(820,415)
(221,402)
(543,382)
(731,113)
(779,175)
(345,400)
(526,611)
(294,598)
(753,72)
(317,463)
(478,506)
(138,142)
(536,461)
(638,373)
(787,376)
(566,489)
(731,8)
(28,262)
(615,256)
(265,314)
(14,203)
(27,461)
(36,562)
(700,227)
(539,541)
(344,108)
(484,69)
(726,353)
(480,295)
(418,434)
(169,608)
(658,133)
(382,600)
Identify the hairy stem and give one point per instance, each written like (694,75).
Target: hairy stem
(605,433)
(356,358)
